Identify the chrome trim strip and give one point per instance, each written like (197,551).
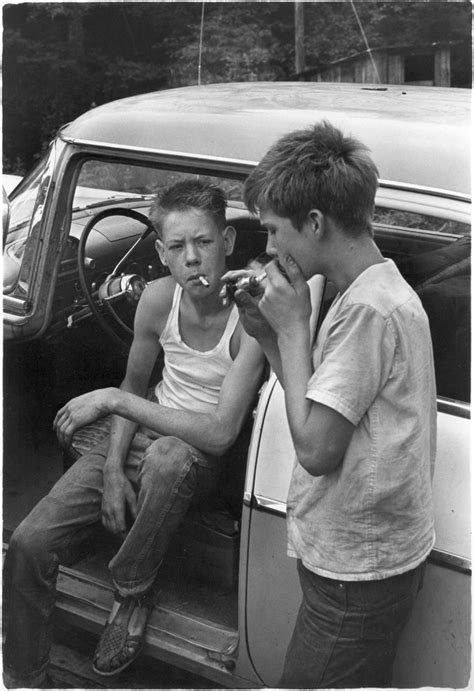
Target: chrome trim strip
(165,155)
(437,556)
(174,156)
(266,504)
(421,189)
(14,305)
(451,407)
(451,561)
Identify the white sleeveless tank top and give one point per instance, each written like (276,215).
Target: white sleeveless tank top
(192,379)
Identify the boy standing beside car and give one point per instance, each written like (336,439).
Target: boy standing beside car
(161,454)
(360,403)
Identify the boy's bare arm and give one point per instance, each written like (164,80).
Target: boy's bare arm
(118,491)
(320,434)
(150,318)
(212,432)
(80,411)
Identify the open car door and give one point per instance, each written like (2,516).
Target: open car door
(31,253)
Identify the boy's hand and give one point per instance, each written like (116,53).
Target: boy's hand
(81,411)
(241,278)
(117,495)
(286,303)
(251,317)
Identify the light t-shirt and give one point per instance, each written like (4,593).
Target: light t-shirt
(372,517)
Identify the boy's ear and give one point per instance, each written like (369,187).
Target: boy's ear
(316,221)
(229,234)
(159,247)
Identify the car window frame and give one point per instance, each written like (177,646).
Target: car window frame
(20,303)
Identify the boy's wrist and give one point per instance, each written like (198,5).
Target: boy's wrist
(113,467)
(267,338)
(289,337)
(112,401)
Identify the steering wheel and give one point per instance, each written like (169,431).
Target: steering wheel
(116,287)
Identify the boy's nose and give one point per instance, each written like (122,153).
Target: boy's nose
(270,249)
(192,256)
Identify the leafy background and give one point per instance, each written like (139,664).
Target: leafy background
(60,59)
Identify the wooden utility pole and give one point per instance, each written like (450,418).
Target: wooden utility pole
(442,66)
(299,38)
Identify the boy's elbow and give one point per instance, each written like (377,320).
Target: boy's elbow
(318,462)
(221,445)
(222,439)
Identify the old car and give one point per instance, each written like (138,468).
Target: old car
(78,252)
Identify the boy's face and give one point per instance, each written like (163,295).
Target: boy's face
(285,240)
(193,245)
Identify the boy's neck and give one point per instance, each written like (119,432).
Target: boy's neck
(205,306)
(353,257)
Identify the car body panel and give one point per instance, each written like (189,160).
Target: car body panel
(271,579)
(435,648)
(241,121)
(451,486)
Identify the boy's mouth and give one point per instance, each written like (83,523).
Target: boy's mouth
(281,268)
(201,278)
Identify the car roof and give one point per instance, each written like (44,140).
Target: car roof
(417,135)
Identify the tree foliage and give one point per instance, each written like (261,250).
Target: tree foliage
(59,59)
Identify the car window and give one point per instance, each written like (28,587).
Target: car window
(25,211)
(109,179)
(114,189)
(434,256)
(396,218)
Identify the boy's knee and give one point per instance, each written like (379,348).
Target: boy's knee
(166,455)
(28,540)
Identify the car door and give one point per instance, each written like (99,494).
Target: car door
(429,238)
(27,266)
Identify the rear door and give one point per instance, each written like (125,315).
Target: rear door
(429,238)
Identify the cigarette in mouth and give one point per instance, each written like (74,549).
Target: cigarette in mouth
(204,281)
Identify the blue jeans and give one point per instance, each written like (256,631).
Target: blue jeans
(346,632)
(168,475)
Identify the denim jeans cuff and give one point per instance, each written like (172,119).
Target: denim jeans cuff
(135,587)
(32,680)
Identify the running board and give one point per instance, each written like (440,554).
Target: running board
(187,642)
(190,643)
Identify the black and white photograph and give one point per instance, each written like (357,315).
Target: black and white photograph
(237,344)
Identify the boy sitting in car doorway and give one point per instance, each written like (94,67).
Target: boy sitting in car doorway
(160,455)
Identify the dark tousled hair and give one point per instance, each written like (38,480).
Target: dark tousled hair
(316,168)
(189,194)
